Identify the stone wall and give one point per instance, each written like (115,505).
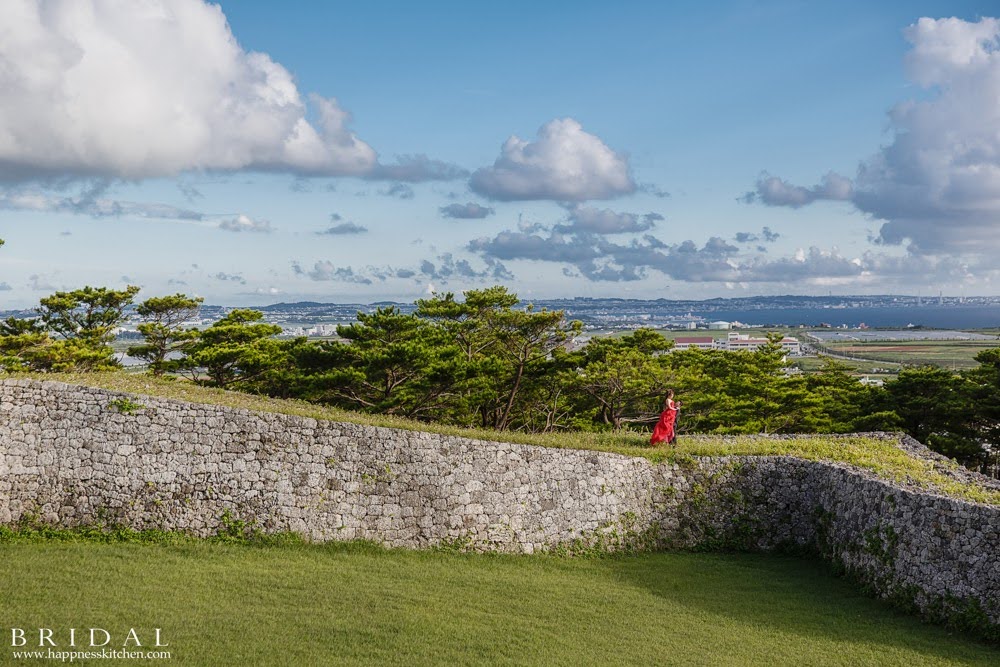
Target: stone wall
(79,456)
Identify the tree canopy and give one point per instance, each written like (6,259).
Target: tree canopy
(488,360)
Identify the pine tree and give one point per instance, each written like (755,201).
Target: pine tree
(235,351)
(162,328)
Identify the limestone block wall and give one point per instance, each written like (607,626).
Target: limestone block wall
(939,555)
(69,455)
(77,456)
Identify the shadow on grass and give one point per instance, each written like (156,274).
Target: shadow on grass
(795,596)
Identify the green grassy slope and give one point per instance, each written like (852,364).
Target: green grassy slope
(355,605)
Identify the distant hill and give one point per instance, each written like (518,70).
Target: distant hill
(304,305)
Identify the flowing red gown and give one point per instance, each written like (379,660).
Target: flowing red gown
(664,430)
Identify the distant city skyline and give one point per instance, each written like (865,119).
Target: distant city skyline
(253,153)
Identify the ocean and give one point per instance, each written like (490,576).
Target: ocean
(932,316)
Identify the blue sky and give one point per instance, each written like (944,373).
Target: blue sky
(254,152)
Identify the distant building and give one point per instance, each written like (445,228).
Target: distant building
(743,342)
(718,326)
(736,342)
(871,382)
(700,342)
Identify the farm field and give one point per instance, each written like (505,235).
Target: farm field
(355,604)
(947,354)
(813,364)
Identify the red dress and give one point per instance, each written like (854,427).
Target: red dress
(664,430)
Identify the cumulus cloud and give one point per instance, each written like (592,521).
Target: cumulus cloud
(343,228)
(447,267)
(683,261)
(773,191)
(442,268)
(564,163)
(598,259)
(120,89)
(4,287)
(810,265)
(417,169)
(244,223)
(590,220)
(468,211)
(327,271)
(527,245)
(936,184)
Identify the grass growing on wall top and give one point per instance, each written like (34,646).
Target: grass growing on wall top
(873,454)
(352,604)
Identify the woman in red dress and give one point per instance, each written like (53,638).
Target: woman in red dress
(665,430)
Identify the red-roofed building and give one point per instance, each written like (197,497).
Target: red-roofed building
(742,342)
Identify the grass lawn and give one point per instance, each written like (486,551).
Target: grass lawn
(222,604)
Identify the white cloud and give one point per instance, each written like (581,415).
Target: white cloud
(118,88)
(944,49)
(774,191)
(445,268)
(325,270)
(937,183)
(591,220)
(244,223)
(598,259)
(564,163)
